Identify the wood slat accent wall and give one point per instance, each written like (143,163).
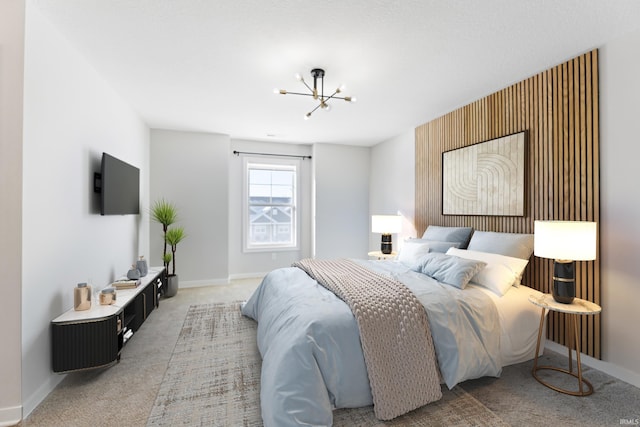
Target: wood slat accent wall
(559,110)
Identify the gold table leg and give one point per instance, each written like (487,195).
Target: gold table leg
(574,343)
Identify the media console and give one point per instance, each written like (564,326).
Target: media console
(94,338)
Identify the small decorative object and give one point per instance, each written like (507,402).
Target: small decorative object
(141,264)
(134,273)
(107,296)
(125,284)
(82,297)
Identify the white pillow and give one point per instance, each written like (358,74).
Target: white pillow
(500,273)
(509,244)
(436,245)
(411,252)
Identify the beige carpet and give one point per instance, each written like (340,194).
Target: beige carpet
(213,379)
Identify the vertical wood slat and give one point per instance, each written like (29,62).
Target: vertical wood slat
(596,191)
(559,110)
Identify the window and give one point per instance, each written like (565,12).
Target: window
(270,205)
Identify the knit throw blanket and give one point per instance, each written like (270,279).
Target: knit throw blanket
(394,332)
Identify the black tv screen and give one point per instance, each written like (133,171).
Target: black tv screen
(120,187)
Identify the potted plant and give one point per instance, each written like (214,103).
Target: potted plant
(166,214)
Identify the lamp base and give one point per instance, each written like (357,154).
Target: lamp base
(386,244)
(564,282)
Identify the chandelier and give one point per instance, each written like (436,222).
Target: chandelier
(317,92)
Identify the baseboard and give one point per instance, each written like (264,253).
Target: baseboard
(218,282)
(241,276)
(10,416)
(201,283)
(622,374)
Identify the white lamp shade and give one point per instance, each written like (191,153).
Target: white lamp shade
(386,224)
(565,240)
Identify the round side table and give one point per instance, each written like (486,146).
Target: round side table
(576,308)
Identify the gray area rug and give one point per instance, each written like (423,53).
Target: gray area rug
(213,379)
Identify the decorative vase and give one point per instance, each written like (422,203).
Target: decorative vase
(142,267)
(82,297)
(172,285)
(107,296)
(134,273)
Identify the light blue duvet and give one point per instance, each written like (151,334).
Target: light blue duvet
(312,360)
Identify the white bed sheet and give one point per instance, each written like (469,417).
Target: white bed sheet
(519,322)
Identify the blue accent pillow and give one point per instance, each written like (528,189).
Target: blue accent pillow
(515,245)
(449,269)
(460,235)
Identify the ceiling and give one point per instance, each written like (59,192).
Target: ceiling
(212,65)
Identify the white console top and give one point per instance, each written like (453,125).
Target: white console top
(123,297)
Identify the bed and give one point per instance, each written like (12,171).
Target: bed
(478,313)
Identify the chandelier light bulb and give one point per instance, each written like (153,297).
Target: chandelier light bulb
(307,116)
(298,77)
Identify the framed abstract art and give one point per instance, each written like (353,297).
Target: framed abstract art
(487,178)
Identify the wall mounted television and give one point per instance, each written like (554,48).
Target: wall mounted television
(119,186)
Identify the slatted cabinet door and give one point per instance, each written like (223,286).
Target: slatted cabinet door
(82,345)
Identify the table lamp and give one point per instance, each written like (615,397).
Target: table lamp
(565,242)
(387,225)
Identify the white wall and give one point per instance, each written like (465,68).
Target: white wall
(258,263)
(70,117)
(11,118)
(341,187)
(392,185)
(191,170)
(620,203)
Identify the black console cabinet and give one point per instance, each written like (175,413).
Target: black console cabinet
(94,338)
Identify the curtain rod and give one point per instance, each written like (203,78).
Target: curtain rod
(237,153)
